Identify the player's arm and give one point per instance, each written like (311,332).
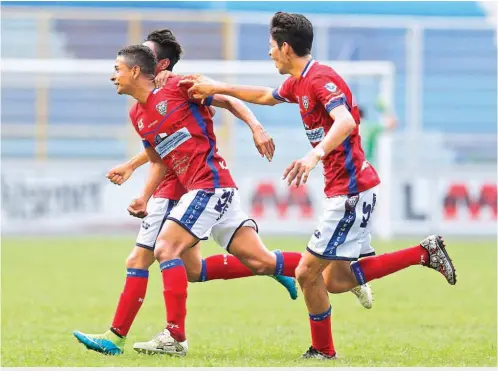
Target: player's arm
(201,87)
(264,143)
(155,174)
(121,173)
(344,124)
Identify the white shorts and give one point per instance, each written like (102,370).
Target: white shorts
(216,212)
(157,211)
(344,233)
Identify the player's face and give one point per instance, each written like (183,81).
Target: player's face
(279,56)
(122,76)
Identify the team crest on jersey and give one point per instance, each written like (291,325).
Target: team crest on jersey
(162,107)
(140,124)
(331,87)
(306,103)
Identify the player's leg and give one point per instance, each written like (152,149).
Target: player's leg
(237,233)
(135,287)
(185,227)
(431,252)
(310,278)
(362,292)
(224,267)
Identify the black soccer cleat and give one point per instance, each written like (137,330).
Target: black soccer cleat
(312,353)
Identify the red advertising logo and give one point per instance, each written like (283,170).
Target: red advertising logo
(266,197)
(461,196)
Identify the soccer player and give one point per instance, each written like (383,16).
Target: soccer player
(178,135)
(165,46)
(331,120)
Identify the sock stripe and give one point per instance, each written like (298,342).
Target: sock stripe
(358,272)
(203,276)
(321,316)
(131,272)
(168,264)
(279,266)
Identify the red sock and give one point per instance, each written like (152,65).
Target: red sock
(175,296)
(321,332)
(373,267)
(131,300)
(223,267)
(287,263)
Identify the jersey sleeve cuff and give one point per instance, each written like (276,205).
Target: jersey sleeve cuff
(336,103)
(208,101)
(277,96)
(145,143)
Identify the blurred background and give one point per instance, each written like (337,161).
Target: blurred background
(424,74)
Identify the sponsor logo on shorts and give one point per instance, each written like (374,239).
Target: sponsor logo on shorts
(317,234)
(145,225)
(224,202)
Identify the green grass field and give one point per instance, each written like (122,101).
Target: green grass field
(52,286)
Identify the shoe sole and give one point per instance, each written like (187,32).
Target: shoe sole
(157,351)
(442,246)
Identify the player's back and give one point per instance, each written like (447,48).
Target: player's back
(181,131)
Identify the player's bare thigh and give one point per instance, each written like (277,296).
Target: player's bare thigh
(338,276)
(192,259)
(173,241)
(250,250)
(140,258)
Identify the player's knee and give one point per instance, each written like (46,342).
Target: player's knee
(167,251)
(305,274)
(140,259)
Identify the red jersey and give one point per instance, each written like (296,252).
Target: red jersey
(319,90)
(181,131)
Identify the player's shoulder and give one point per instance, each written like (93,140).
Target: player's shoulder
(133,111)
(322,70)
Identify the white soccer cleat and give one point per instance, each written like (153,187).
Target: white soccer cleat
(364,295)
(163,343)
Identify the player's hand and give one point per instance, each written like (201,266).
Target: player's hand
(200,86)
(162,77)
(138,208)
(300,169)
(263,142)
(120,174)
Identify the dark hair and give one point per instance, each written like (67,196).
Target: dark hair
(139,55)
(167,47)
(362,112)
(294,29)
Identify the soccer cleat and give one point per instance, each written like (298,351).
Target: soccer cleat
(289,283)
(312,353)
(364,295)
(163,343)
(438,258)
(106,343)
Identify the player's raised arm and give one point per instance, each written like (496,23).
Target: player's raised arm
(264,143)
(202,87)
